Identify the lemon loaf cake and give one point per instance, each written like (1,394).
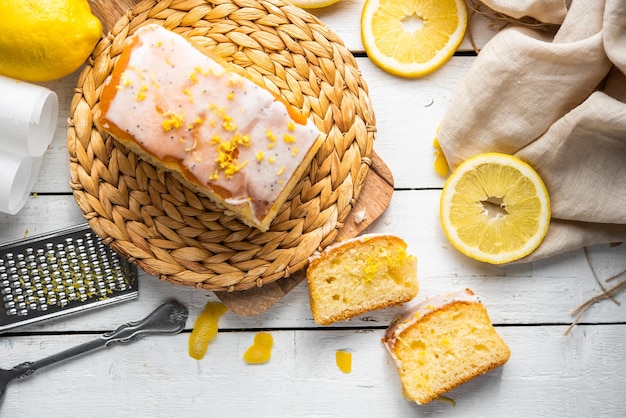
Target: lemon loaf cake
(188,111)
(442,342)
(358,275)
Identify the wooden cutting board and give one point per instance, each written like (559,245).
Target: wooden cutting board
(372,202)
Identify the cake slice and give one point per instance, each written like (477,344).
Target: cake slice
(442,342)
(190,112)
(358,275)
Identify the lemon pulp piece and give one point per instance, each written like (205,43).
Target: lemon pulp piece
(412,38)
(47,39)
(441,164)
(495,208)
(344,361)
(313,4)
(261,350)
(205,329)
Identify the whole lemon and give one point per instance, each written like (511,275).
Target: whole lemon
(43,40)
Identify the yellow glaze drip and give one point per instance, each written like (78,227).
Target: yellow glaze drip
(261,350)
(205,329)
(441,164)
(344,361)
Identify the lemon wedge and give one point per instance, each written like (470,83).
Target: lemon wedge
(495,208)
(412,38)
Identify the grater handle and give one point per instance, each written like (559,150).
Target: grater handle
(169,318)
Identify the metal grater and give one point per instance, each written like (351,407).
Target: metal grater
(60,273)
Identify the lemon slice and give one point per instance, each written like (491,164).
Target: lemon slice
(313,4)
(495,208)
(412,38)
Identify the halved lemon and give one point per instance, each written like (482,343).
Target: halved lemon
(412,38)
(495,208)
(313,4)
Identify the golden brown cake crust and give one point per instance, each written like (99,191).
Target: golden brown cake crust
(351,243)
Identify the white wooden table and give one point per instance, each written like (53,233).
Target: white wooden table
(549,374)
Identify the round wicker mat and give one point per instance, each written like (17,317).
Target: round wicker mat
(182,237)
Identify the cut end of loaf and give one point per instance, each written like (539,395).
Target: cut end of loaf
(359,275)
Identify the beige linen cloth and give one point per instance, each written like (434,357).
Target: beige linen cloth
(559,103)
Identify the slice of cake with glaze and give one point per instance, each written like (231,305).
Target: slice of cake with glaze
(441,343)
(188,111)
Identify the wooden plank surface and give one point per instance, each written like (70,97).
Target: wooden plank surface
(549,375)
(155,377)
(544,292)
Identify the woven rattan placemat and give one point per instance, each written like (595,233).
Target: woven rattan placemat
(182,237)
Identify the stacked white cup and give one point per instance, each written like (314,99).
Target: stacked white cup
(28,118)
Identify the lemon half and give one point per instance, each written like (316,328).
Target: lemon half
(412,38)
(495,208)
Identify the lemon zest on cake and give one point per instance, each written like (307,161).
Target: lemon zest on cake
(370,269)
(229,125)
(141,94)
(126,81)
(188,93)
(172,121)
(226,153)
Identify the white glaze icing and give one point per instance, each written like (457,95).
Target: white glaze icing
(223,128)
(419,311)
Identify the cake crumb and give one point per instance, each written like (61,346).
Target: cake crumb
(360,216)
